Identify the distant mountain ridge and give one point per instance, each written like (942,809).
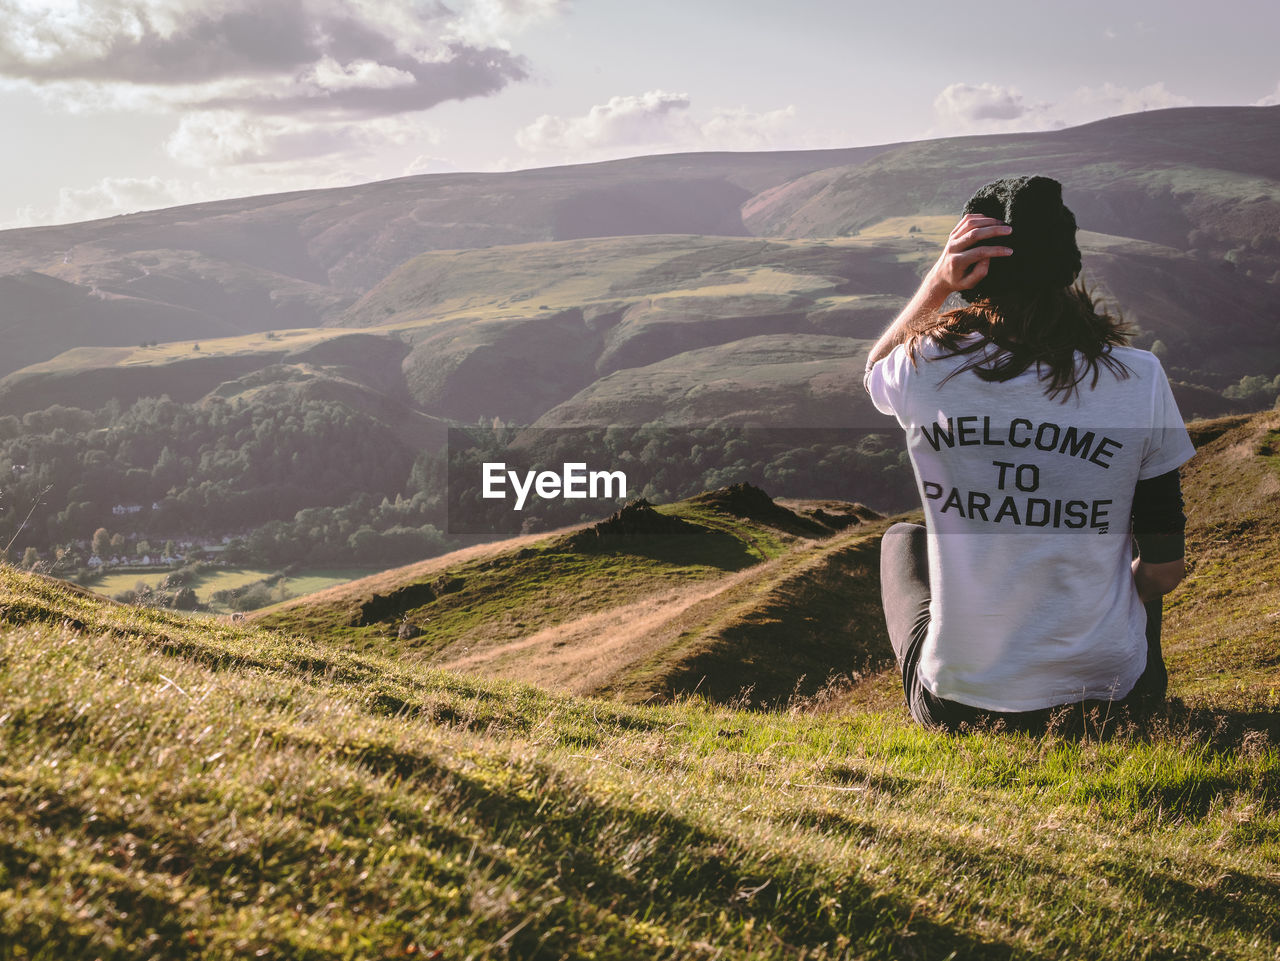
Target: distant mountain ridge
(300,259)
(706,291)
(1153,176)
(297,259)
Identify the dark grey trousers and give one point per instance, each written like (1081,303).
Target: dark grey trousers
(904,591)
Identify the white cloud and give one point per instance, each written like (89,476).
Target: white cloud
(327,74)
(967,104)
(256,82)
(118,195)
(108,197)
(123,195)
(964,108)
(1270,100)
(623,121)
(741,129)
(493,21)
(423,51)
(1109,100)
(426,164)
(216,138)
(655,121)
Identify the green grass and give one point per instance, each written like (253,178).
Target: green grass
(760,541)
(511,280)
(320,578)
(507,594)
(176,788)
(173,786)
(183,350)
(1223,622)
(499,599)
(1268,449)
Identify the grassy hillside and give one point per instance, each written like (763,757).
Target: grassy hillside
(798,380)
(536,319)
(1178,233)
(738,600)
(188,370)
(704,606)
(507,294)
(1154,176)
(588,327)
(1224,620)
(651,602)
(176,787)
(212,580)
(514,331)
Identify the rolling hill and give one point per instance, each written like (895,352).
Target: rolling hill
(174,785)
(1200,182)
(1153,176)
(714,603)
(546,298)
(298,259)
(1228,608)
(652,601)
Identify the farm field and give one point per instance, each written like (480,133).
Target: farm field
(209,582)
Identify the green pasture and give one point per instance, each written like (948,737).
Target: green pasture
(215,579)
(172,787)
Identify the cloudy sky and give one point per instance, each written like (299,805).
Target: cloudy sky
(112,106)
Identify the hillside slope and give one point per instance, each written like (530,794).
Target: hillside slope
(1154,176)
(554,327)
(513,332)
(298,259)
(738,602)
(651,602)
(1223,622)
(1194,179)
(175,787)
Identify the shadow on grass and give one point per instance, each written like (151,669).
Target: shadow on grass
(1242,903)
(1222,729)
(702,883)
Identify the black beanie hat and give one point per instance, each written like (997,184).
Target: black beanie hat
(1043,239)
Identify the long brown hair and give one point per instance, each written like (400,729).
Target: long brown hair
(1046,327)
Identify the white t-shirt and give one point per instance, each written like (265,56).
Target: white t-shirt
(1027,502)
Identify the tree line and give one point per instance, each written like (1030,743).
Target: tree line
(316,482)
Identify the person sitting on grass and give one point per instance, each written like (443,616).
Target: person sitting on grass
(1043,448)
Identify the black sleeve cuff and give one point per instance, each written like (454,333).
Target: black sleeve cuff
(1158,519)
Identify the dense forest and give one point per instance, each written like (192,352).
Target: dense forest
(159,470)
(312,482)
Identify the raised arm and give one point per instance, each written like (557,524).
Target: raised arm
(959,267)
